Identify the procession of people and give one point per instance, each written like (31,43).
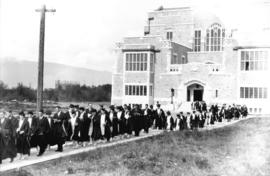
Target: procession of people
(86,126)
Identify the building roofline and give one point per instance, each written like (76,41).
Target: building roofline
(250,47)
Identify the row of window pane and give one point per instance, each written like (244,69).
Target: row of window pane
(254,60)
(253,92)
(178,60)
(215,38)
(136,90)
(197,41)
(169,35)
(136,61)
(152,61)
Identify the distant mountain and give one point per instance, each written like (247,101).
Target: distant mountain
(13,71)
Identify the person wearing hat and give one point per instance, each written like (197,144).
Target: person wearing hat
(84,125)
(50,137)
(136,115)
(128,121)
(95,134)
(43,129)
(105,125)
(183,121)
(121,120)
(23,144)
(169,121)
(59,128)
(33,122)
(7,146)
(147,116)
(114,120)
(160,117)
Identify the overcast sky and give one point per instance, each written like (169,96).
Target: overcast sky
(83,33)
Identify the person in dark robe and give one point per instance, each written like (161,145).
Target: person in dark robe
(244,111)
(7,139)
(151,114)
(160,118)
(33,122)
(114,120)
(96,134)
(23,144)
(183,121)
(128,121)
(105,125)
(84,126)
(50,137)
(177,122)
(73,124)
(59,130)
(76,124)
(121,120)
(68,126)
(136,114)
(146,118)
(169,121)
(43,129)
(14,122)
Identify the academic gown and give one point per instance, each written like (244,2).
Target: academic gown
(23,144)
(84,124)
(7,140)
(96,133)
(59,131)
(32,135)
(43,130)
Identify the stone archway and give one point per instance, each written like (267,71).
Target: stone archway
(195,91)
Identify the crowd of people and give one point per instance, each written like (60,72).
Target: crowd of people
(83,126)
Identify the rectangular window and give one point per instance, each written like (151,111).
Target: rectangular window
(135,90)
(254,60)
(197,41)
(242,93)
(253,92)
(216,93)
(169,35)
(264,92)
(152,60)
(150,90)
(136,61)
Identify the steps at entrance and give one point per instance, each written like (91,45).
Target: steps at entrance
(185,107)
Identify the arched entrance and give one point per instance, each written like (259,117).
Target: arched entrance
(195,92)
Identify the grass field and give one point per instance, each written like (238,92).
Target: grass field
(242,149)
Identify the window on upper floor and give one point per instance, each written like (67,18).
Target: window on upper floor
(175,59)
(254,60)
(169,35)
(197,41)
(152,62)
(215,37)
(136,61)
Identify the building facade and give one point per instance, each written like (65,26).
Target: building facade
(187,56)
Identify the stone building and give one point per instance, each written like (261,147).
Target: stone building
(186,56)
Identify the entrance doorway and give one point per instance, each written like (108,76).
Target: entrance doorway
(195,92)
(197,95)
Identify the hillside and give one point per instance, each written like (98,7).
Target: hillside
(13,71)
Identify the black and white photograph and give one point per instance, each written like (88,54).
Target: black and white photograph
(135,87)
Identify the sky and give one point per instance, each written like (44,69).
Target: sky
(83,33)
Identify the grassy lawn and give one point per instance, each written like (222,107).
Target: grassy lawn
(240,149)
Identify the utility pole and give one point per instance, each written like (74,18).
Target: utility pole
(43,10)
